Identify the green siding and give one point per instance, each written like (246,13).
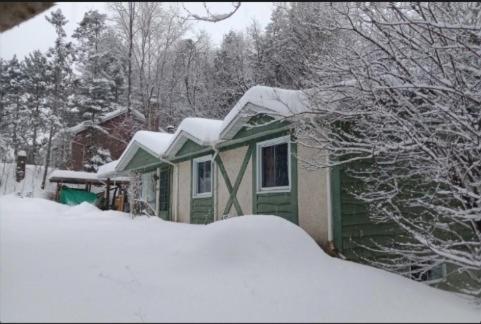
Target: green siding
(352,226)
(142,159)
(202,210)
(188,148)
(336,205)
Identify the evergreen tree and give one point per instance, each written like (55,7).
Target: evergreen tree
(95,87)
(36,85)
(14,103)
(60,62)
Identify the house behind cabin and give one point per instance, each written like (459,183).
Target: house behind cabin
(75,147)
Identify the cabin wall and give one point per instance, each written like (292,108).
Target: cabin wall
(182,191)
(313,195)
(232,160)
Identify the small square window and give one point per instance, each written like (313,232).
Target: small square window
(202,177)
(273,164)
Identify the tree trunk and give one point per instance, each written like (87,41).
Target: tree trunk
(131,36)
(47,158)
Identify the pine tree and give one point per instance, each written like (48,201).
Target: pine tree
(36,85)
(94,87)
(60,61)
(14,102)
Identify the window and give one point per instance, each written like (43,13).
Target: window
(432,275)
(202,177)
(148,188)
(273,163)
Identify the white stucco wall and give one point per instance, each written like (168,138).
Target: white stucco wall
(232,160)
(313,196)
(182,192)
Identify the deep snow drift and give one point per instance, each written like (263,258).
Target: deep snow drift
(60,263)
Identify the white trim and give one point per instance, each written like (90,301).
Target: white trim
(194,176)
(259,146)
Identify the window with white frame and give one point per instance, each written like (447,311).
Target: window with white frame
(202,177)
(148,188)
(273,165)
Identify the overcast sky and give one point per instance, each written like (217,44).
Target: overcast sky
(37,33)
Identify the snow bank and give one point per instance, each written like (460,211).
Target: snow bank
(74,264)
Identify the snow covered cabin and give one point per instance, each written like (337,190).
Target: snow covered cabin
(245,164)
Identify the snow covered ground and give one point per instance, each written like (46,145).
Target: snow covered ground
(60,263)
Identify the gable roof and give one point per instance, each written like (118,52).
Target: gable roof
(154,143)
(202,131)
(275,102)
(86,124)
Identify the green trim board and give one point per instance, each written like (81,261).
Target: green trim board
(256,126)
(336,205)
(192,155)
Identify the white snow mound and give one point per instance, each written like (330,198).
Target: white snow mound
(109,268)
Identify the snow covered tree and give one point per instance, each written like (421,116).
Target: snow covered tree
(36,85)
(3,109)
(95,86)
(14,103)
(60,57)
(398,106)
(98,156)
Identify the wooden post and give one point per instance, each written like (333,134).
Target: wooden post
(57,192)
(107,194)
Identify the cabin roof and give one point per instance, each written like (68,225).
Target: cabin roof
(86,124)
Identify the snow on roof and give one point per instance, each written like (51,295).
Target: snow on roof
(156,142)
(68,174)
(153,142)
(85,124)
(206,131)
(274,101)
(107,169)
(201,130)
